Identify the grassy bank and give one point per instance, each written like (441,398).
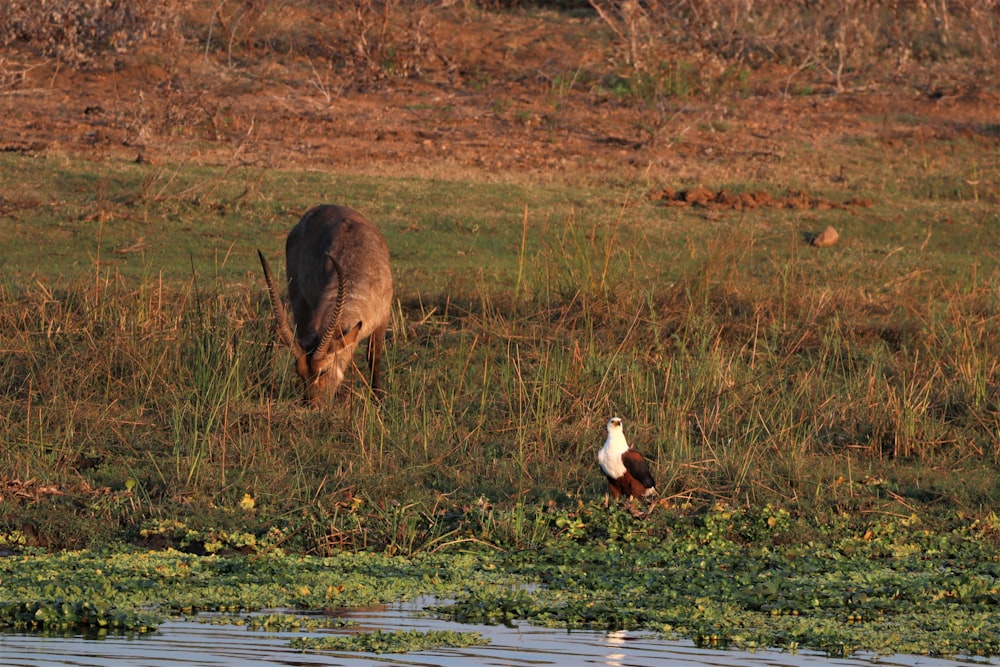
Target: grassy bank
(141,383)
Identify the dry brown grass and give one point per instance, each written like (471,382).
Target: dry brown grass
(849,42)
(80,32)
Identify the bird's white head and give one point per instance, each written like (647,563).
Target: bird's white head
(610,455)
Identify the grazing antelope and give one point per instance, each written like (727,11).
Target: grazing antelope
(340,291)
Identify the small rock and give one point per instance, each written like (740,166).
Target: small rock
(826,238)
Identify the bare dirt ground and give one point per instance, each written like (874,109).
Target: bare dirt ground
(499,98)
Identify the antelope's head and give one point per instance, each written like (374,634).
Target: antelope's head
(320,367)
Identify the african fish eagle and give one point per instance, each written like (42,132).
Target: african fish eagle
(626,469)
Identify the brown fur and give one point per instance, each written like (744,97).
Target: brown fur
(340,292)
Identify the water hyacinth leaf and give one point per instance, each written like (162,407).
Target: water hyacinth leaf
(399,641)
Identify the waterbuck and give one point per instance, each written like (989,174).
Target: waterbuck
(340,291)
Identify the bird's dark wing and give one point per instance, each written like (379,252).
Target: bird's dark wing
(638,468)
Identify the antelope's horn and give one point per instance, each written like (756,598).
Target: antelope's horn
(333,326)
(284,331)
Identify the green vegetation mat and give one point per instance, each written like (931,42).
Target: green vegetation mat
(729,578)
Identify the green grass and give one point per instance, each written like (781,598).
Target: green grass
(139,370)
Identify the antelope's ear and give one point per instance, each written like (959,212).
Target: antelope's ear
(352,335)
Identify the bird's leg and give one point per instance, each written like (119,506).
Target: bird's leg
(649,510)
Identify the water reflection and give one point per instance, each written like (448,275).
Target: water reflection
(616,639)
(192,644)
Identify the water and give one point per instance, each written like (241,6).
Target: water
(182,643)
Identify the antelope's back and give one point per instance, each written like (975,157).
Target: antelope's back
(363,256)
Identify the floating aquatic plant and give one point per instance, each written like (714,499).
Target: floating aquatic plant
(726,578)
(137,590)
(399,641)
(82,616)
(277,622)
(734,579)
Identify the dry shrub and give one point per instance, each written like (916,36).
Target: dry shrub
(843,38)
(356,40)
(390,37)
(79,31)
(13,73)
